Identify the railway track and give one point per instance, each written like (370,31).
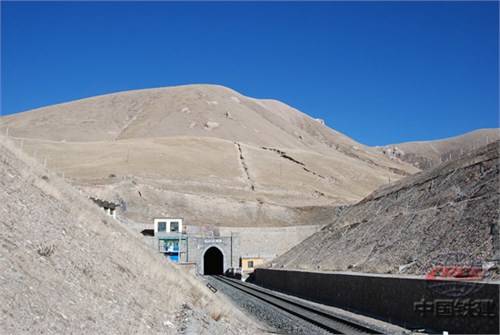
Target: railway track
(309,313)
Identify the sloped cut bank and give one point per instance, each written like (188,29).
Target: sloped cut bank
(446,214)
(67,268)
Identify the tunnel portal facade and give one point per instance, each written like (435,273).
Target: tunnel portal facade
(210,254)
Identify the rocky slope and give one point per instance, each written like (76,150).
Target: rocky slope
(203,152)
(66,268)
(446,214)
(427,154)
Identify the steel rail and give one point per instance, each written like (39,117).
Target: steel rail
(332,323)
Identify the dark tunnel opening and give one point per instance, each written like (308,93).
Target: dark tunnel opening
(213,262)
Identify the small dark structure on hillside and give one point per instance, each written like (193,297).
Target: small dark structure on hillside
(108,206)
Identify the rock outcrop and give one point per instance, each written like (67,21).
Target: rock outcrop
(428,154)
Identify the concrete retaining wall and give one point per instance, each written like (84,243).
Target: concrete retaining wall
(269,242)
(411,302)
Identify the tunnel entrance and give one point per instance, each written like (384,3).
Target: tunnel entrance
(213,262)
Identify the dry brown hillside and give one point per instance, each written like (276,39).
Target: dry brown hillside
(427,154)
(451,211)
(203,152)
(65,268)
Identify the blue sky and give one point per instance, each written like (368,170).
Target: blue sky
(381,72)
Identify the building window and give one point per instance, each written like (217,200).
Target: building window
(174,226)
(171,246)
(250,264)
(162,227)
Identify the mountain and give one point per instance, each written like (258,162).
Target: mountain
(446,214)
(425,155)
(66,268)
(203,152)
(193,110)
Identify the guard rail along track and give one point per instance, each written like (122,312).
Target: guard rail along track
(321,318)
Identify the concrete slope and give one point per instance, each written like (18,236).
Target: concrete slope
(427,154)
(448,214)
(66,268)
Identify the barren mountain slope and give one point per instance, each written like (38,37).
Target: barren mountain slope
(208,180)
(428,154)
(66,268)
(203,152)
(193,110)
(449,211)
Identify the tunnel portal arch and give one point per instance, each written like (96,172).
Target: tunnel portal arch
(213,261)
